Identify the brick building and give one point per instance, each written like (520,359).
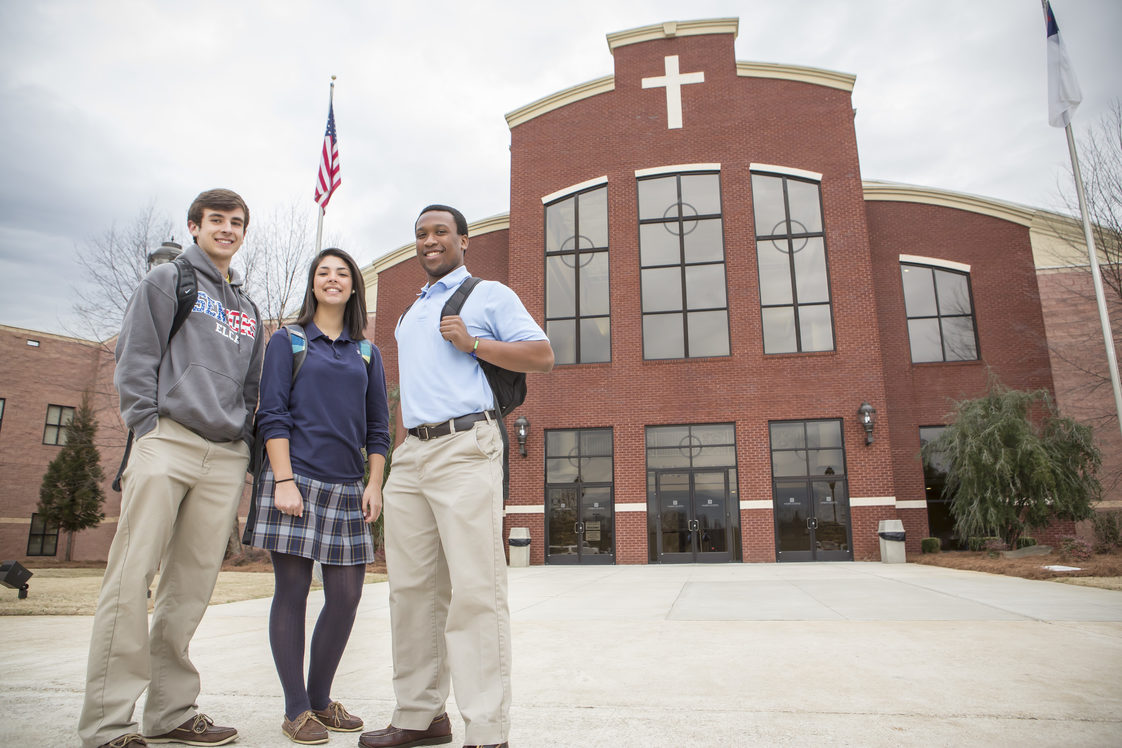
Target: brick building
(723,291)
(42,380)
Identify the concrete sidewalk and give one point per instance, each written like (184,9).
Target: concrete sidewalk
(858,654)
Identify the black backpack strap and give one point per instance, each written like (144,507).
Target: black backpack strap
(456,301)
(186,293)
(124,461)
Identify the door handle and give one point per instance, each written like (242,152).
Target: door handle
(694,525)
(578,528)
(812,523)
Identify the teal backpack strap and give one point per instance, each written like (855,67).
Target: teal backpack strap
(299,340)
(366,349)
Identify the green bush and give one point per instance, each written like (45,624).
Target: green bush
(1108,530)
(930,545)
(1025,542)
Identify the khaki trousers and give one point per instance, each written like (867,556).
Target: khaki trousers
(180,496)
(448,582)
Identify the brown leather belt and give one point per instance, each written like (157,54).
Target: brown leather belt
(427,431)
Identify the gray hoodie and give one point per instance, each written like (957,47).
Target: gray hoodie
(207,378)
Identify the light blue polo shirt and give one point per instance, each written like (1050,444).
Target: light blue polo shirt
(437,381)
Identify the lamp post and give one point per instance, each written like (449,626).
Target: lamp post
(868,415)
(522,429)
(166,252)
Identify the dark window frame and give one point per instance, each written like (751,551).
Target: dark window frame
(939,316)
(682,264)
(59,425)
(790,237)
(577,252)
(37,535)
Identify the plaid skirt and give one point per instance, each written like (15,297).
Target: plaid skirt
(332,530)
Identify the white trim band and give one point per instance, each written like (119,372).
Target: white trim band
(872,501)
(564,192)
(633,506)
(522,509)
(936,262)
(676,169)
(915,504)
(757,504)
(789,171)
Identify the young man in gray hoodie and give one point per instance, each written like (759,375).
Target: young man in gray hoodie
(189,401)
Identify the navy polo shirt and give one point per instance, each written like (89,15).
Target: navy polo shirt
(336,406)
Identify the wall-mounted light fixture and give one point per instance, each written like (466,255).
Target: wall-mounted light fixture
(868,415)
(522,429)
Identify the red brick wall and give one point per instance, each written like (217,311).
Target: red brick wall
(1008,316)
(56,372)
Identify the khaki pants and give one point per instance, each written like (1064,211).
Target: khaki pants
(444,519)
(180,496)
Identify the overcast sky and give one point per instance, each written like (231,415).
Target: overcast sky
(106,107)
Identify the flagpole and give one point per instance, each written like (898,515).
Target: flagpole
(319,222)
(1096,277)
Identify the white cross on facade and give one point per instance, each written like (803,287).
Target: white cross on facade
(673,80)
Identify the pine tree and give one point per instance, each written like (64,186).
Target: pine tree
(1013,463)
(71,495)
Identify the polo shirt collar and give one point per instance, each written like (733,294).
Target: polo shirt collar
(314,332)
(451,280)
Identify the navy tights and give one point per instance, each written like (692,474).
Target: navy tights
(342,587)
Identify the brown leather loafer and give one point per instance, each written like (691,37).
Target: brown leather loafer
(439,731)
(305,729)
(199,730)
(335,717)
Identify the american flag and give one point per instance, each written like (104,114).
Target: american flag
(328,179)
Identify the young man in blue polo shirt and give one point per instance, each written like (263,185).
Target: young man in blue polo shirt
(444,499)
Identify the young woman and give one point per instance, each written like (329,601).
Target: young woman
(311,504)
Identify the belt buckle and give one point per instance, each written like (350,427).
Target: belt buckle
(423,433)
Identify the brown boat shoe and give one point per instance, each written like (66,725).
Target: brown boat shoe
(336,718)
(305,729)
(198,730)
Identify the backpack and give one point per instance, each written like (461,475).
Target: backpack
(508,387)
(186,294)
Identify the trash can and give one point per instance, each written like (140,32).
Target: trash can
(891,533)
(519,547)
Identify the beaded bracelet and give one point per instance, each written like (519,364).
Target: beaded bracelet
(474,348)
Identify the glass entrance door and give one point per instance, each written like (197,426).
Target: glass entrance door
(693,516)
(812,520)
(580,525)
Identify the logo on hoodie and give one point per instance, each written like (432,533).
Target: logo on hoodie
(230,322)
